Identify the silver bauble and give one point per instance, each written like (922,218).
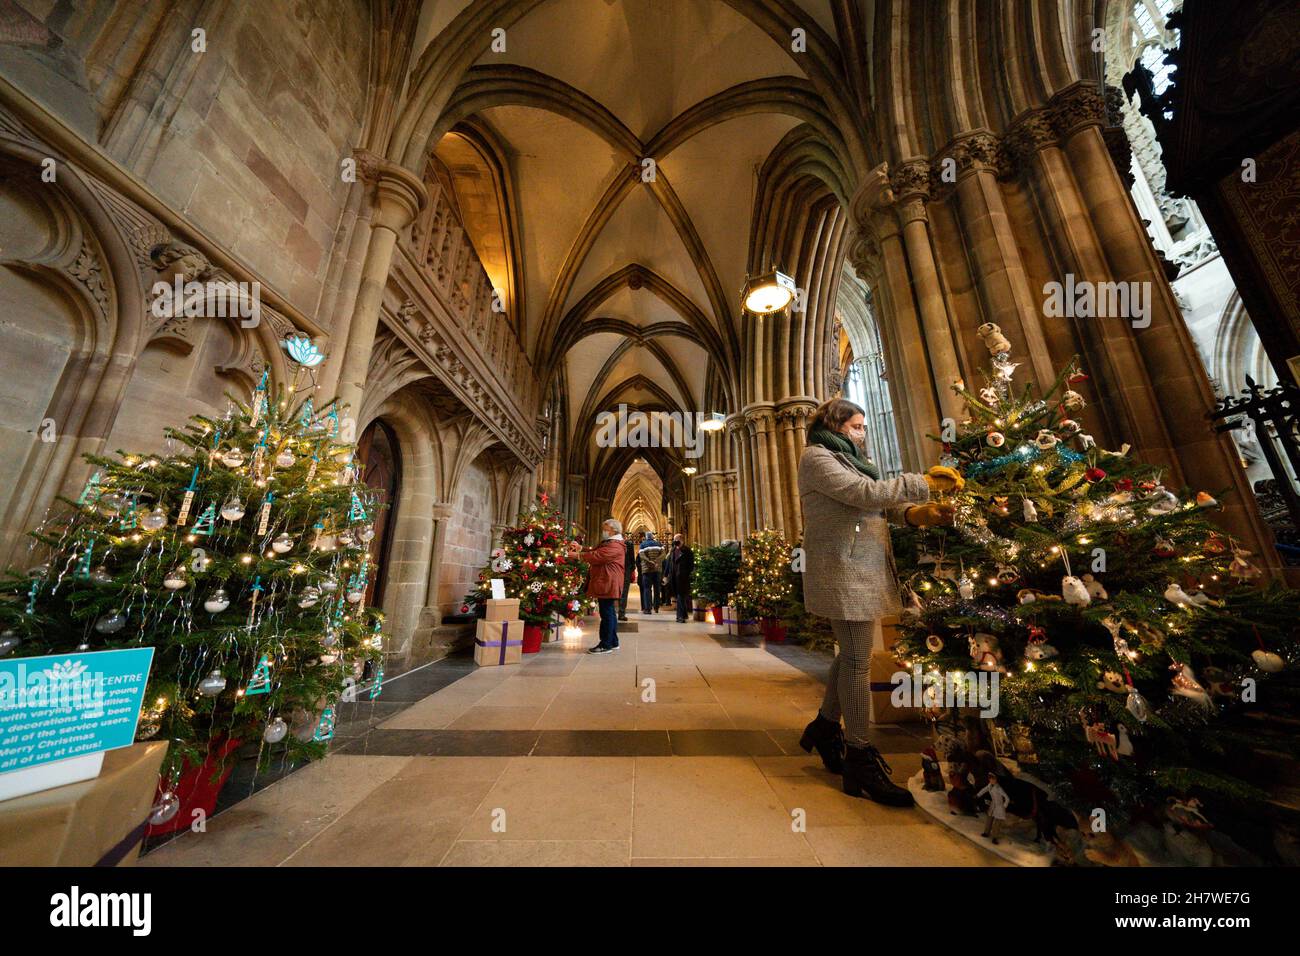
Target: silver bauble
(212,685)
(355,596)
(367,533)
(233,458)
(329,585)
(309,597)
(284,459)
(101,576)
(175,579)
(110,504)
(232,510)
(282,543)
(168,806)
(275,731)
(155,520)
(111,623)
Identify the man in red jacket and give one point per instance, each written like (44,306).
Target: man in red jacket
(605,582)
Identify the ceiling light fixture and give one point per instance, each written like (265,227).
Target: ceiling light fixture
(713,422)
(769,292)
(688,470)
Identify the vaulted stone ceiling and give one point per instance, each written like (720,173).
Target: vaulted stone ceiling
(631,277)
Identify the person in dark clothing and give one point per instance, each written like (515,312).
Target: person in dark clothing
(681,565)
(650,559)
(665,589)
(629,576)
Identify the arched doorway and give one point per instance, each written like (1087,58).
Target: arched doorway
(381,462)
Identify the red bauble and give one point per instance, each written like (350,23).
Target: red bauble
(1094,474)
(1077,377)
(1124,484)
(464,609)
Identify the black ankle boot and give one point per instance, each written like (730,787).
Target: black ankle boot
(866,770)
(827,737)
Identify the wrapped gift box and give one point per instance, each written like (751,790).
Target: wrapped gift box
(883,711)
(736,627)
(499,642)
(504,609)
(94,822)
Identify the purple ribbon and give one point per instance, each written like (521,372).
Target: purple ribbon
(503,643)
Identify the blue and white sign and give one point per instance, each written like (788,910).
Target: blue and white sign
(67,708)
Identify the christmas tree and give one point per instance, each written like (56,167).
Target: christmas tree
(535,565)
(1128,638)
(240,555)
(764,589)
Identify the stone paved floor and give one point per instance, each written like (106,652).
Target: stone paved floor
(561,761)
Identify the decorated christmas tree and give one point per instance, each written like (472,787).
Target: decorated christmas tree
(240,554)
(535,565)
(1129,635)
(764,589)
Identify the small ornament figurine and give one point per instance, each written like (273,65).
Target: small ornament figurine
(1176,595)
(1267,661)
(1095,589)
(1073,591)
(1007,574)
(1164,548)
(997,810)
(965,587)
(932,774)
(985,652)
(1112,681)
(1046,439)
(934,643)
(1031,513)
(1241,569)
(1125,746)
(1038,649)
(996,439)
(993,338)
(1023,744)
(961,795)
(1205,500)
(1072,400)
(1185,684)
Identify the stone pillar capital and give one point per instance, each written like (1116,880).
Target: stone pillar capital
(442,510)
(911,180)
(1077,106)
(1030,132)
(399,194)
(976,151)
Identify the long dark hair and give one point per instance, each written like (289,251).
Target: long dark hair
(831,415)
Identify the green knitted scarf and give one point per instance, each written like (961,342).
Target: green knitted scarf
(840,443)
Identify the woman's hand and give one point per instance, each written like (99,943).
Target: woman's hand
(928,516)
(944,480)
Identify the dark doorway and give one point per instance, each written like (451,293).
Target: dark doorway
(378,453)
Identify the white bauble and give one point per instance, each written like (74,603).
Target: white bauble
(232,510)
(233,458)
(175,579)
(284,459)
(282,543)
(155,520)
(217,601)
(111,623)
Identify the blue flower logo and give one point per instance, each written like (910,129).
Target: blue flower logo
(303,351)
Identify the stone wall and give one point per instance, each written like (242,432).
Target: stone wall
(243,139)
(469,537)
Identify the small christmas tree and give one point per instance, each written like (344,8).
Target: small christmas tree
(764,589)
(1123,626)
(535,566)
(717,570)
(240,555)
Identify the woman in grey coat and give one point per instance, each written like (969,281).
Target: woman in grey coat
(849,577)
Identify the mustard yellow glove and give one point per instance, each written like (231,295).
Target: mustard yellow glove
(944,480)
(928,516)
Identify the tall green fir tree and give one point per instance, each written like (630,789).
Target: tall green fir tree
(240,554)
(1133,643)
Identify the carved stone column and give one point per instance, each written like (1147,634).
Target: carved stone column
(1176,381)
(792,416)
(743,504)
(397,197)
(911,183)
(879,258)
(693,531)
(991,242)
(760,419)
